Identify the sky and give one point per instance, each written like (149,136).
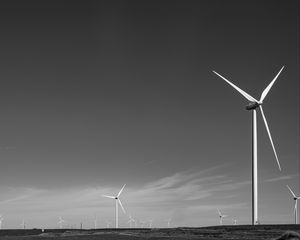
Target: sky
(98,94)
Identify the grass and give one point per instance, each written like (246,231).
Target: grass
(247,232)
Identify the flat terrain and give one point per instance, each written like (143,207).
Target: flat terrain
(216,232)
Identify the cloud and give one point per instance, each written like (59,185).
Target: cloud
(276,179)
(167,196)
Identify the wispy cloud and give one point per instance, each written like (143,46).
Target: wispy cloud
(180,191)
(281,178)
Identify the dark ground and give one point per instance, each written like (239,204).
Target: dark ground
(216,232)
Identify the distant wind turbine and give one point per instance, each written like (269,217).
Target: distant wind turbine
(118,202)
(131,220)
(221,216)
(234,221)
(168,222)
(296,203)
(142,224)
(60,222)
(95,222)
(150,223)
(252,106)
(1,220)
(107,224)
(23,224)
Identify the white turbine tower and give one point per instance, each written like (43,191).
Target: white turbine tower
(295,198)
(60,222)
(1,220)
(252,106)
(221,216)
(117,204)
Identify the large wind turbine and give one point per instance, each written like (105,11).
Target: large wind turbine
(295,198)
(252,106)
(117,203)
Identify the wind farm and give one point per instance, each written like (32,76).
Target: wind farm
(122,119)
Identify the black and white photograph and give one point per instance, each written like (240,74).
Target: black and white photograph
(149,119)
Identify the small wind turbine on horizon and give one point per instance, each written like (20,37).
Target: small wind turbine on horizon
(296,203)
(168,222)
(60,222)
(150,223)
(221,216)
(107,224)
(234,221)
(252,106)
(95,222)
(118,202)
(131,220)
(23,224)
(1,221)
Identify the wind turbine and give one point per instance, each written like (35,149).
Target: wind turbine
(1,220)
(150,223)
(234,221)
(221,217)
(295,198)
(107,224)
(117,203)
(168,222)
(252,106)
(60,222)
(95,222)
(23,224)
(131,220)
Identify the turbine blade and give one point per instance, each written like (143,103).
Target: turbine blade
(269,133)
(219,212)
(267,89)
(246,95)
(291,191)
(119,201)
(121,190)
(108,196)
(295,209)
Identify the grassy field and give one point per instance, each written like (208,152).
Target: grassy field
(217,232)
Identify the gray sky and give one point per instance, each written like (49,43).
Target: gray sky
(95,94)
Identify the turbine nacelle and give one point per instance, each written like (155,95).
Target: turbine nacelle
(253,105)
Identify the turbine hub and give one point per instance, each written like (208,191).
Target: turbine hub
(252,105)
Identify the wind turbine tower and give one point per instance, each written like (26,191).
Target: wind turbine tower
(296,203)
(252,106)
(118,202)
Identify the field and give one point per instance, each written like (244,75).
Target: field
(217,232)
